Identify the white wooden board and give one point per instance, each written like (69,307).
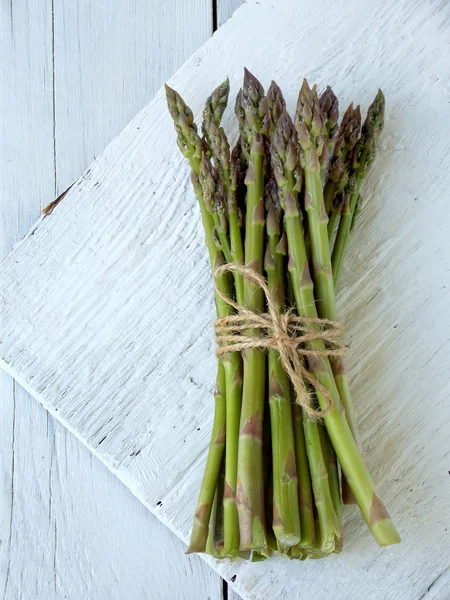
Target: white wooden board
(106,305)
(59,533)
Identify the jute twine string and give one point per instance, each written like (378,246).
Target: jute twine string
(282,331)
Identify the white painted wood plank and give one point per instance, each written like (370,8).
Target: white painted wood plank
(124,52)
(118,552)
(58,515)
(120,58)
(225,9)
(122,359)
(27,182)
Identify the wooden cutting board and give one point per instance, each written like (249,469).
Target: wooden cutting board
(106,305)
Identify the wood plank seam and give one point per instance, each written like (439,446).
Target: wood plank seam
(11,514)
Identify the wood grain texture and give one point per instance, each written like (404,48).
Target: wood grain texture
(26,442)
(59,507)
(123,56)
(225,9)
(126,362)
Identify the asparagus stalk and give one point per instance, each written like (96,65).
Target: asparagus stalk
(214,200)
(275,106)
(245,133)
(286,518)
(333,479)
(226,166)
(329,527)
(192,148)
(309,124)
(213,192)
(305,495)
(329,106)
(233,390)
(340,167)
(338,429)
(346,217)
(342,155)
(214,544)
(334,215)
(356,212)
(215,106)
(239,167)
(200,531)
(272,541)
(250,492)
(272,544)
(285,165)
(352,463)
(363,158)
(342,201)
(210,542)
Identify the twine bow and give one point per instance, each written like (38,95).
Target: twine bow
(285,332)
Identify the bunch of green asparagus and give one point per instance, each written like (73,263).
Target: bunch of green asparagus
(282,202)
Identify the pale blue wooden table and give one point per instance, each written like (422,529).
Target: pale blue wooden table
(73,73)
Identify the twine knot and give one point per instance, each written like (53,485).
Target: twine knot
(292,336)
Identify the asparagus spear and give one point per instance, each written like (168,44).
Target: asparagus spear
(250,492)
(210,542)
(356,212)
(285,165)
(192,148)
(200,531)
(219,149)
(286,519)
(214,108)
(309,124)
(244,130)
(340,166)
(305,495)
(213,195)
(344,444)
(272,542)
(239,166)
(329,106)
(214,200)
(275,106)
(188,140)
(363,158)
(214,544)
(352,463)
(329,528)
(333,478)
(334,214)
(342,155)
(219,196)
